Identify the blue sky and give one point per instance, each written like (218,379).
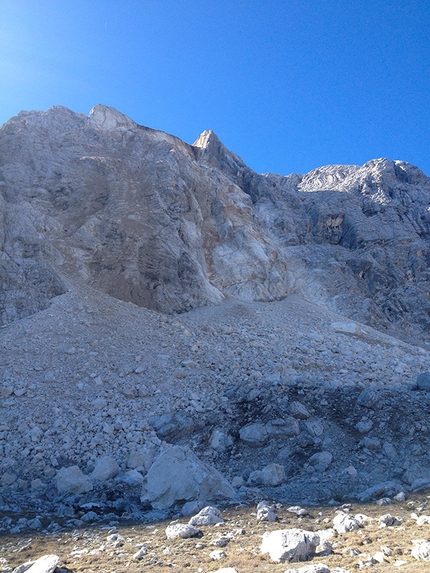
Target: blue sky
(289,85)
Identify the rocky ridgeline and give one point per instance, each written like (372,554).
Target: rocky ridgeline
(146,218)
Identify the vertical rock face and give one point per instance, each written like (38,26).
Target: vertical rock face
(149,219)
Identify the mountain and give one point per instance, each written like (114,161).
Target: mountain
(148,219)
(172,320)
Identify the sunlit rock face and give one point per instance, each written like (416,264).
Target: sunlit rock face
(143,216)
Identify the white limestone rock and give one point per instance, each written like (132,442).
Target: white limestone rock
(290,545)
(45,564)
(265,512)
(178,475)
(421,551)
(182,530)
(343,522)
(389,520)
(207,516)
(314,568)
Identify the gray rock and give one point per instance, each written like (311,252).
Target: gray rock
(254,435)
(182,530)
(273,475)
(73,480)
(178,475)
(388,520)
(106,468)
(207,516)
(423,381)
(298,410)
(321,460)
(318,568)
(290,545)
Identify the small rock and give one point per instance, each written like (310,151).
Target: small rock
(73,480)
(388,520)
(140,554)
(273,475)
(423,381)
(217,554)
(343,523)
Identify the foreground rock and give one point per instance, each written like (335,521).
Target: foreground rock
(290,545)
(207,516)
(177,475)
(182,530)
(45,564)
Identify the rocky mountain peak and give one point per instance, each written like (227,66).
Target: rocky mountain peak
(141,217)
(108,118)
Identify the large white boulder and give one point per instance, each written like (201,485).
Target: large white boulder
(45,564)
(290,545)
(178,475)
(73,480)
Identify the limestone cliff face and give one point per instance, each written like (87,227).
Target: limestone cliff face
(149,219)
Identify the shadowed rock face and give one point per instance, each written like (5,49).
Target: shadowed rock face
(149,219)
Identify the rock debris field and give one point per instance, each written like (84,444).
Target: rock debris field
(114,414)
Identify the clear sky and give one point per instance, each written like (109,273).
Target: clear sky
(289,85)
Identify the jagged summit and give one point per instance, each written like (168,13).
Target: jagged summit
(136,213)
(109,118)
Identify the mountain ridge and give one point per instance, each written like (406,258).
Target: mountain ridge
(170,226)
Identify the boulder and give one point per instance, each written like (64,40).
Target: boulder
(177,475)
(421,551)
(298,410)
(321,460)
(273,475)
(207,516)
(106,468)
(45,564)
(73,480)
(265,512)
(423,381)
(182,530)
(343,523)
(290,545)
(255,435)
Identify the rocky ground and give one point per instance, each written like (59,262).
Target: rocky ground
(234,544)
